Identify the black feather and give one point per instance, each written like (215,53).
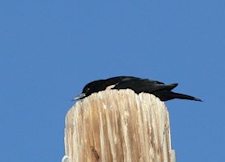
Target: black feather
(138,85)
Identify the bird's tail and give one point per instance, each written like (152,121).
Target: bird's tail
(164,96)
(184,96)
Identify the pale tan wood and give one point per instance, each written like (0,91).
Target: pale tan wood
(118,126)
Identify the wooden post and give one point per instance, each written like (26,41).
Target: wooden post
(118,126)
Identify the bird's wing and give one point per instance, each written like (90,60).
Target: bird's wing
(143,85)
(110,83)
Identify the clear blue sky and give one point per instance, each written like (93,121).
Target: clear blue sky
(50,48)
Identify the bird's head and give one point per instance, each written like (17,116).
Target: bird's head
(90,88)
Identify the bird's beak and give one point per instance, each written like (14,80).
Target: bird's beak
(81,96)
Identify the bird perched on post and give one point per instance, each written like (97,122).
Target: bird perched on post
(138,85)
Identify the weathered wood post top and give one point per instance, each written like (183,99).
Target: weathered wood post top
(118,126)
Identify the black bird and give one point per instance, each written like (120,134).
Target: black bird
(138,85)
